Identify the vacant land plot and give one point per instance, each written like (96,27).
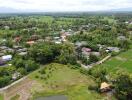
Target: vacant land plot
(63,80)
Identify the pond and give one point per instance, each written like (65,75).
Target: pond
(57,97)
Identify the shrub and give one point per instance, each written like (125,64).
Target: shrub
(114,53)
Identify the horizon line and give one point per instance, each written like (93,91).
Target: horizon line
(64,12)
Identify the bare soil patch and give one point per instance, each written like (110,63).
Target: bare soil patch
(22,89)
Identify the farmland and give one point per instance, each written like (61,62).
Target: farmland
(121,62)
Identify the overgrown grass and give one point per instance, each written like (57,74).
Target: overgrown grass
(16,97)
(1,97)
(63,80)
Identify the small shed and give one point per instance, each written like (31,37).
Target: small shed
(105,87)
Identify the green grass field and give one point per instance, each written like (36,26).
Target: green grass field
(63,80)
(121,62)
(110,20)
(1,97)
(47,19)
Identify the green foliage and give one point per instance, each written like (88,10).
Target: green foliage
(23,71)
(5,75)
(44,53)
(24,65)
(124,44)
(114,53)
(18,62)
(67,55)
(85,60)
(99,73)
(84,71)
(9,43)
(7,71)
(123,86)
(93,58)
(31,65)
(5,80)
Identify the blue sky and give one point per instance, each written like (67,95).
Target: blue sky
(65,5)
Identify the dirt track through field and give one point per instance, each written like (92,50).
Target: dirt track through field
(22,89)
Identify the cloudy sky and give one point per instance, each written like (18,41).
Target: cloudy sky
(64,5)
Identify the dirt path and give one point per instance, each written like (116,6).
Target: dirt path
(16,82)
(22,89)
(94,64)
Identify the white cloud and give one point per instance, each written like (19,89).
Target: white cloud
(65,5)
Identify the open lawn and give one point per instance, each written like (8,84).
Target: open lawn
(1,97)
(123,61)
(63,80)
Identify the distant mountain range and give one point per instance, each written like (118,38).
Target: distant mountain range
(123,9)
(12,10)
(8,10)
